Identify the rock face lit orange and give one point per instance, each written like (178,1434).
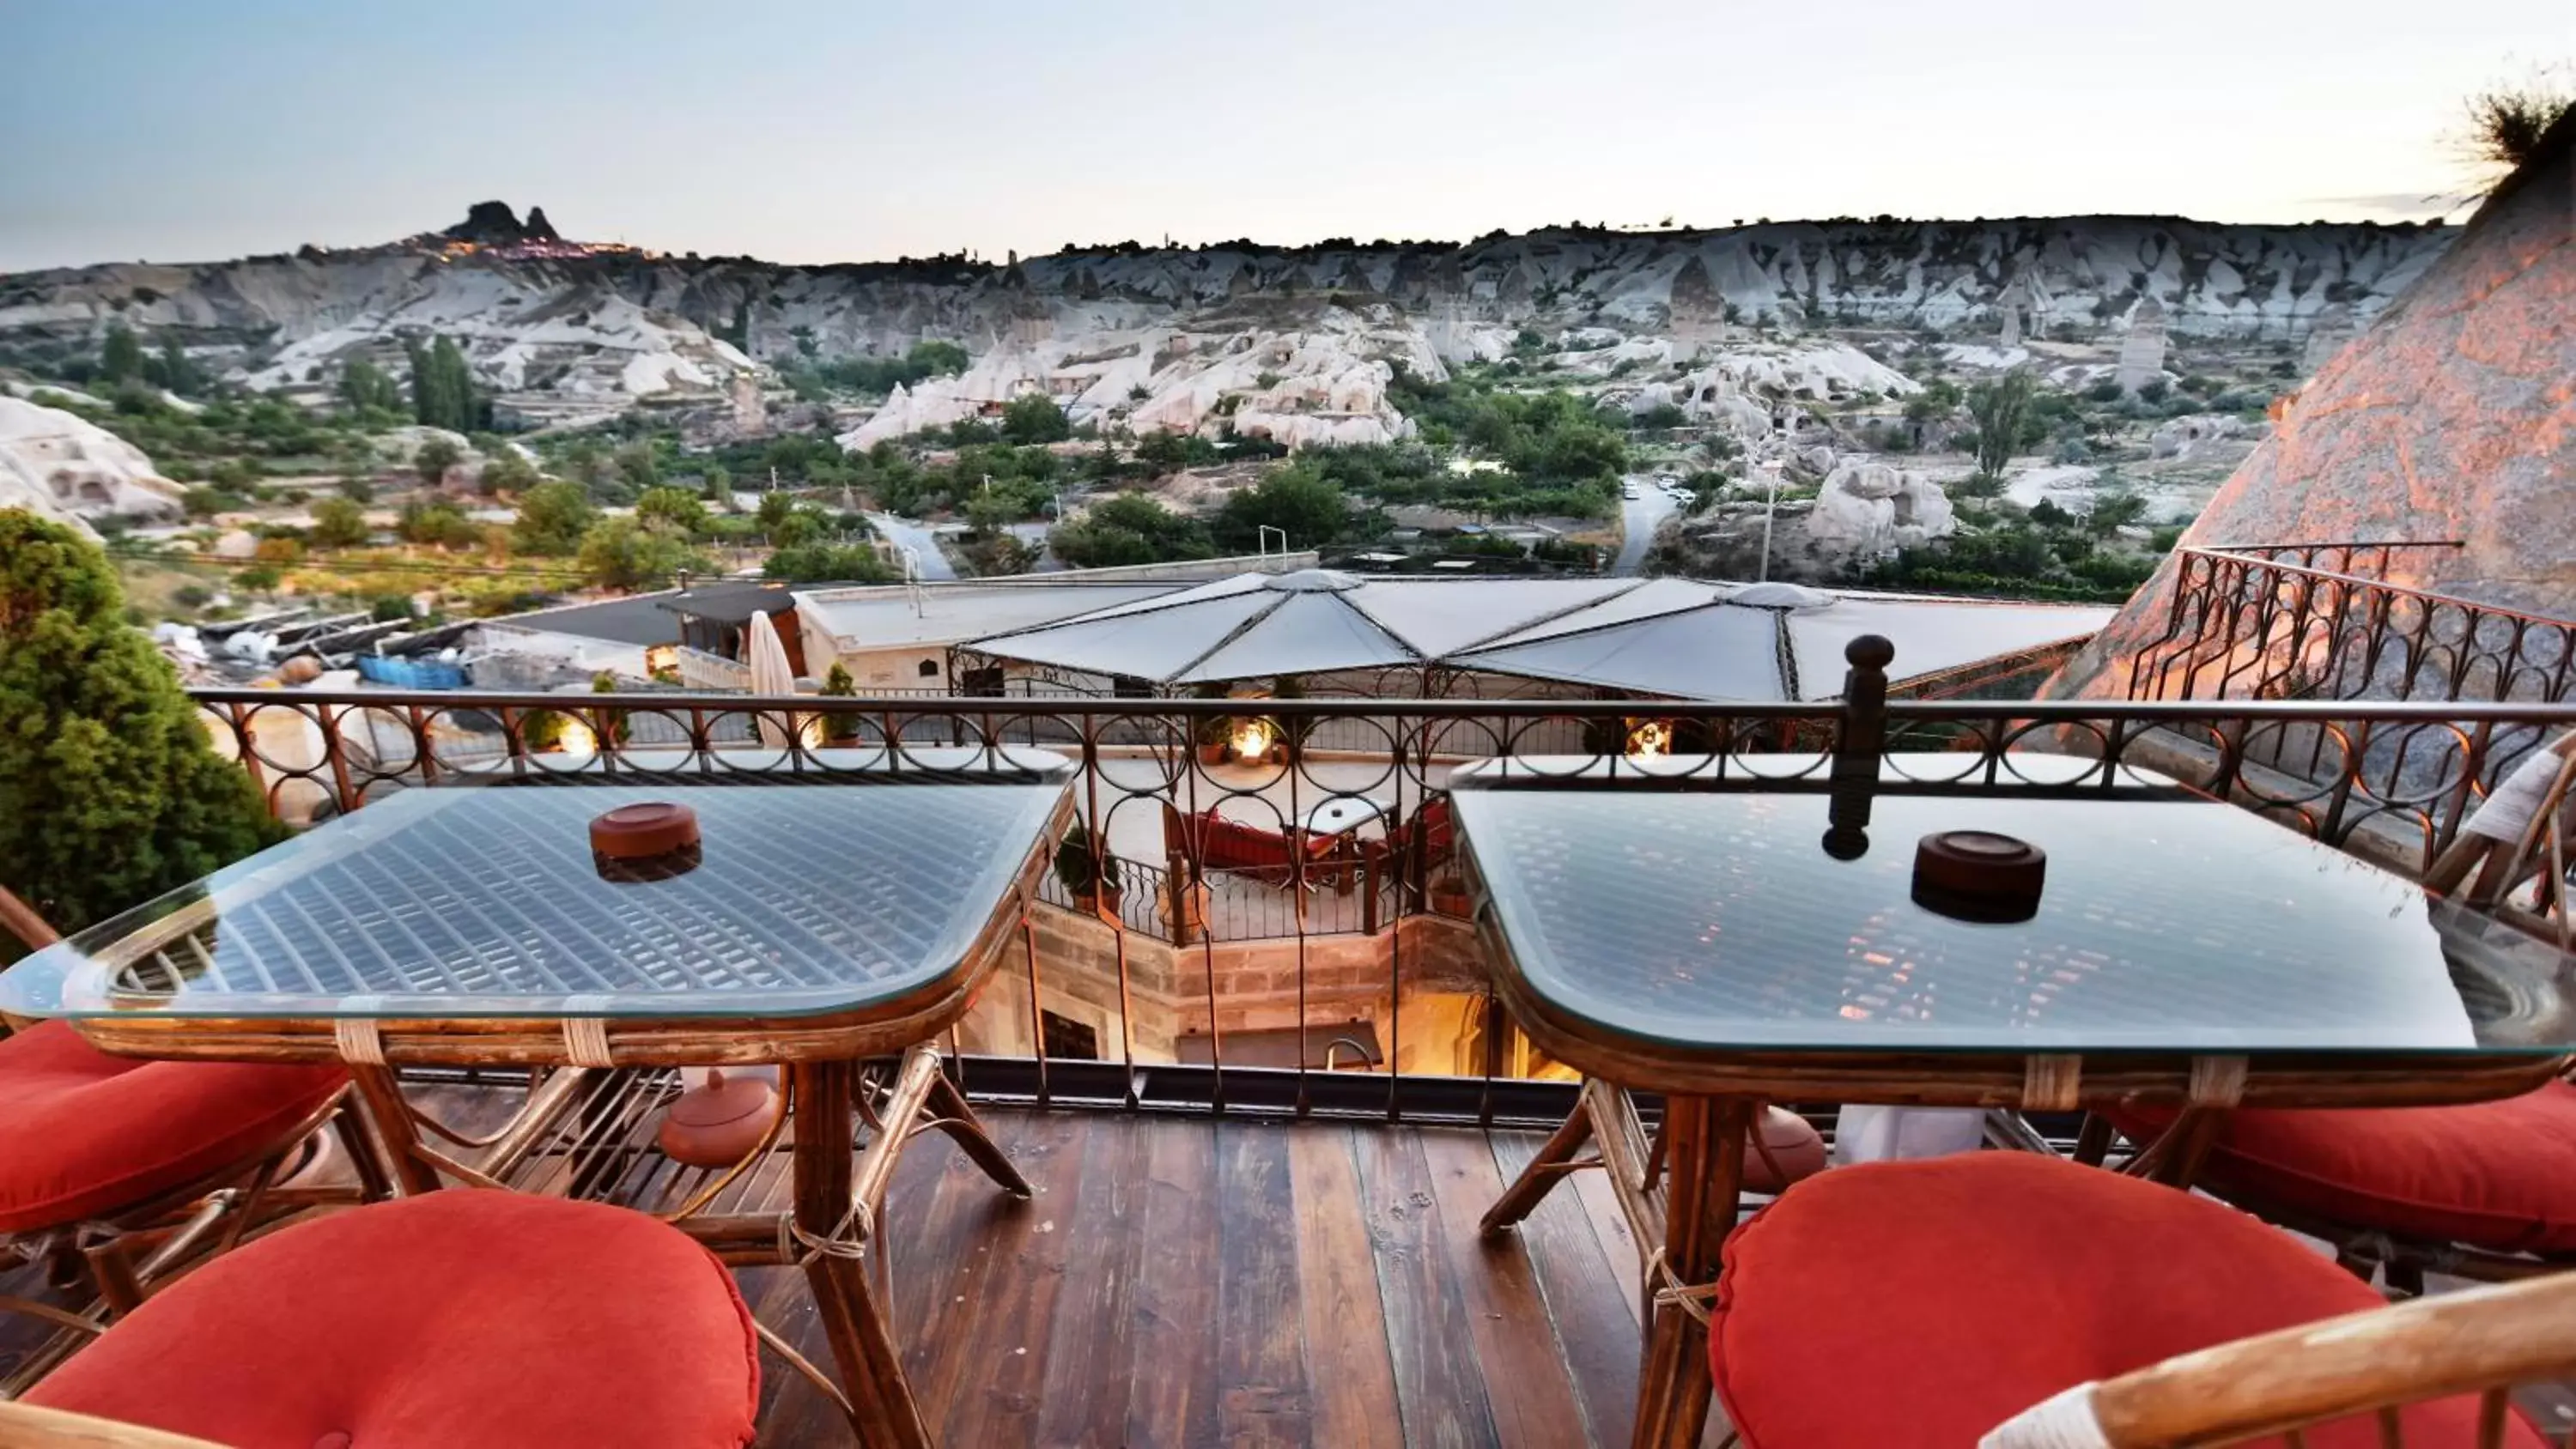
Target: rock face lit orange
(2453,417)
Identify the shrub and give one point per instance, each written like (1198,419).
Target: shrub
(110,792)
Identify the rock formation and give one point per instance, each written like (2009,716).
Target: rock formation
(2142,352)
(2183,436)
(62,466)
(1874,508)
(2452,418)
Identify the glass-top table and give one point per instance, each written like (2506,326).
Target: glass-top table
(821,927)
(1703,942)
(2168,922)
(485,901)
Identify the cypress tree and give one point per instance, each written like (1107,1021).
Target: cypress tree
(121,357)
(110,792)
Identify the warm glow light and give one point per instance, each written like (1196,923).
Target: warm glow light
(1650,738)
(1251,740)
(577,738)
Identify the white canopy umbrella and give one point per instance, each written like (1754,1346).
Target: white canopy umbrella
(770,672)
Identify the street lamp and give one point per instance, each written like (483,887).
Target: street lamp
(1770,505)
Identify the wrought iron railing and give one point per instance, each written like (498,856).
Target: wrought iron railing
(1344,932)
(2315,621)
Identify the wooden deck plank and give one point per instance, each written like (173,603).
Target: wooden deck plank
(1618,1242)
(1027,1252)
(1355,1403)
(1528,1384)
(1440,1388)
(1175,1401)
(946,1269)
(1091,1351)
(1263,1397)
(1589,1303)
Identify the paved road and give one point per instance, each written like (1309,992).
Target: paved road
(1035,536)
(907,534)
(1637,519)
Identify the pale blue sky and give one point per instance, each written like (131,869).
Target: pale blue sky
(856,129)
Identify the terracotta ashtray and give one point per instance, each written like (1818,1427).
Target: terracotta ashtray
(719,1123)
(1978,875)
(649,841)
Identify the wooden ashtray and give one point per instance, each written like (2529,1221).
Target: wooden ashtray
(718,1124)
(653,840)
(1978,875)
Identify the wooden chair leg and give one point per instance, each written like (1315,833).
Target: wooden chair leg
(967,1130)
(2093,1140)
(1555,1157)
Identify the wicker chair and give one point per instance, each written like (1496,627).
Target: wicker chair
(1928,1302)
(2483,1341)
(118,1173)
(2485,1191)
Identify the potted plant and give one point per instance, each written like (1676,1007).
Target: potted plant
(605,682)
(1215,733)
(1089,874)
(1291,730)
(541,731)
(840,731)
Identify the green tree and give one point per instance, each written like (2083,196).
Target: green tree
(120,357)
(637,465)
(1297,499)
(434,460)
(1034,418)
(620,553)
(553,517)
(365,389)
(339,523)
(716,487)
(676,509)
(443,394)
(2001,409)
(1130,529)
(110,793)
(816,563)
(172,369)
(438,525)
(506,472)
(358,489)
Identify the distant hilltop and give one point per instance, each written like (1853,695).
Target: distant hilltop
(493,223)
(1309,336)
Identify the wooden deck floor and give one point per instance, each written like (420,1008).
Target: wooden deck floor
(1183,1282)
(1180,1281)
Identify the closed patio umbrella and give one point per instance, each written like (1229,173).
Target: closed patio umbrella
(770,672)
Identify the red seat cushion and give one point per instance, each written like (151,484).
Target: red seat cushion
(454,1318)
(83,1133)
(1926,1302)
(2498,1175)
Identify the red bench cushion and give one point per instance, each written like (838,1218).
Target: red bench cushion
(1926,1302)
(455,1318)
(83,1133)
(2498,1175)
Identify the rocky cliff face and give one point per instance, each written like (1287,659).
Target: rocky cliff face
(1302,339)
(2452,418)
(65,467)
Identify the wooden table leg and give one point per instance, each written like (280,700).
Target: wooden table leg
(1706,1137)
(395,1129)
(871,1363)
